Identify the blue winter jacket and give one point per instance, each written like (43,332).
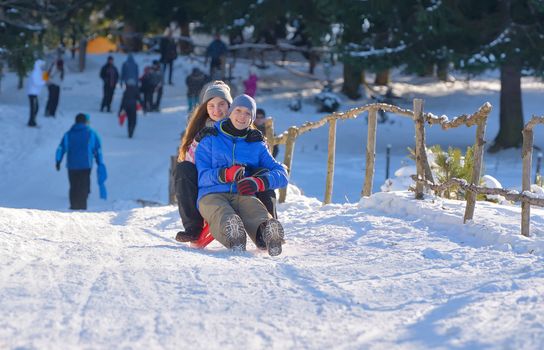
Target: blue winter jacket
(223,150)
(81,143)
(216,49)
(129,71)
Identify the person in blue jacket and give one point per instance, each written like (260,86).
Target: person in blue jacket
(225,158)
(217,51)
(81,144)
(130,72)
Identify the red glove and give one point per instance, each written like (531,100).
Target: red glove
(251,185)
(234,173)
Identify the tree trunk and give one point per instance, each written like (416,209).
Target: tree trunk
(185,47)
(382,78)
(511,113)
(312,62)
(442,71)
(352,81)
(82,53)
(427,71)
(132,41)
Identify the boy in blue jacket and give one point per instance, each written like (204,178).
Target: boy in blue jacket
(81,143)
(225,157)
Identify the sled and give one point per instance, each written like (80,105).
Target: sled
(204,239)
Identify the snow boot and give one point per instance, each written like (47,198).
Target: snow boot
(273,236)
(184,237)
(235,233)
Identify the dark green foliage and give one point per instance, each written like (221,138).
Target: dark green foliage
(18,50)
(453,164)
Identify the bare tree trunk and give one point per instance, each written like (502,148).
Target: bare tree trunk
(427,71)
(442,71)
(312,61)
(82,53)
(382,78)
(185,47)
(511,112)
(132,41)
(352,81)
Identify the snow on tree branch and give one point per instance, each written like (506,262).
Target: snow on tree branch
(378,52)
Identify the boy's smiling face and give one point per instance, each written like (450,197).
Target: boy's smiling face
(240,117)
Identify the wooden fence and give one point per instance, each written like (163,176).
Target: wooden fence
(423,177)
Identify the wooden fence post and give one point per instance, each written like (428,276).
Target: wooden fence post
(172,180)
(527,158)
(289,149)
(330,161)
(477,168)
(420,145)
(370,152)
(269,127)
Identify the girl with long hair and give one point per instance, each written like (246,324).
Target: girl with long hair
(216,101)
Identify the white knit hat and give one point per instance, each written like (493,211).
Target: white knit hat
(217,89)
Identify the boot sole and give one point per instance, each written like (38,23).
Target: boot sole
(235,233)
(274,237)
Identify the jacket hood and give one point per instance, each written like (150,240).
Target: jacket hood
(39,64)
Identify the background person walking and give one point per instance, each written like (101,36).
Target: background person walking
(110,76)
(216,51)
(34,86)
(129,103)
(168,55)
(130,71)
(195,82)
(82,144)
(55,78)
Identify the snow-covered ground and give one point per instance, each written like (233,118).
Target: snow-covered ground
(384,272)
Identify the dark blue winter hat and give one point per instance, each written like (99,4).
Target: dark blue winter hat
(244,101)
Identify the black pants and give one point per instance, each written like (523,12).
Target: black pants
(186,194)
(131,118)
(157,102)
(80,187)
(33,99)
(52,100)
(268,198)
(186,186)
(108,96)
(171,68)
(148,99)
(215,68)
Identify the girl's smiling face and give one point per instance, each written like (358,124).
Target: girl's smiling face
(217,108)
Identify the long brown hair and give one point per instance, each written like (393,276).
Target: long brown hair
(196,123)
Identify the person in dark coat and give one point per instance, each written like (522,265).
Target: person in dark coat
(131,98)
(217,50)
(130,71)
(168,55)
(195,82)
(260,124)
(110,76)
(157,83)
(147,89)
(82,144)
(55,78)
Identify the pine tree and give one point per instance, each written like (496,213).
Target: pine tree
(493,34)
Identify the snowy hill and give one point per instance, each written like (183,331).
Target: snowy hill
(385,272)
